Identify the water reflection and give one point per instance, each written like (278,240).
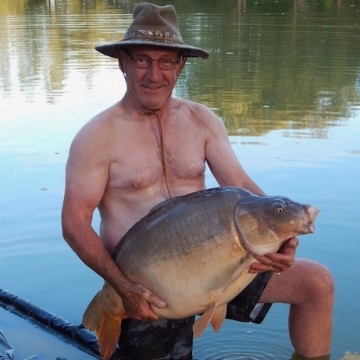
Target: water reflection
(282,65)
(287,65)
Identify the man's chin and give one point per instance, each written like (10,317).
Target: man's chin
(153,105)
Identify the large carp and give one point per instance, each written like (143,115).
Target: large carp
(193,251)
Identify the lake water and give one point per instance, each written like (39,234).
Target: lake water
(284,76)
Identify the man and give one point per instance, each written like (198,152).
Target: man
(148,147)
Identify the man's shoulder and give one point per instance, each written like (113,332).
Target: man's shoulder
(98,129)
(106,116)
(195,109)
(102,120)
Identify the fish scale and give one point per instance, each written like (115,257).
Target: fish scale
(192,251)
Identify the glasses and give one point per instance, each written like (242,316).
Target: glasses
(144,61)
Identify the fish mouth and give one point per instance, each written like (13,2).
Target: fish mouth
(310,215)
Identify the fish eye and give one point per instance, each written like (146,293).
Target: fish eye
(278,208)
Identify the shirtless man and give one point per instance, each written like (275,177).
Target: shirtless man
(150,146)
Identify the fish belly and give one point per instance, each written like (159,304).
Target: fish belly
(186,252)
(192,281)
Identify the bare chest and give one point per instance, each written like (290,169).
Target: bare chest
(145,162)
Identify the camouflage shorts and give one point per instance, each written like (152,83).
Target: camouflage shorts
(173,339)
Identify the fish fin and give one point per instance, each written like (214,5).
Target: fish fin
(218,317)
(108,333)
(92,314)
(242,266)
(203,321)
(104,315)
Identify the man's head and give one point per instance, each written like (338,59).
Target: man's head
(151,73)
(154,26)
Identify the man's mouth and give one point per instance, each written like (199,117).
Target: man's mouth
(152,87)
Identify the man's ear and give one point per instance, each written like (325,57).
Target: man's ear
(120,58)
(182,64)
(121,67)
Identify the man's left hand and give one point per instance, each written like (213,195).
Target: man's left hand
(276,262)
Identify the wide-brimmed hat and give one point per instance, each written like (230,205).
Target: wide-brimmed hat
(154,26)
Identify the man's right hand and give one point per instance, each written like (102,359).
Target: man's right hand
(137,301)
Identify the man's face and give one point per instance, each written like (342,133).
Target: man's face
(150,86)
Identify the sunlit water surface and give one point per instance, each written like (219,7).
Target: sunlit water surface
(286,82)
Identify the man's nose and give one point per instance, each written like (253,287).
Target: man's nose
(154,71)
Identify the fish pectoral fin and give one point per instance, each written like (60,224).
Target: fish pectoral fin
(203,321)
(218,317)
(242,266)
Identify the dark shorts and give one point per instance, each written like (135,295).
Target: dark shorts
(173,339)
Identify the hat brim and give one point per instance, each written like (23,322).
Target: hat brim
(111,49)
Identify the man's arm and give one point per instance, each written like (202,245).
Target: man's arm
(228,171)
(86,180)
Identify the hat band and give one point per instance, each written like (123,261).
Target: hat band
(157,35)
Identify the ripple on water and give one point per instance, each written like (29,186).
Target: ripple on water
(258,352)
(246,341)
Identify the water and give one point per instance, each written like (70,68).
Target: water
(283,76)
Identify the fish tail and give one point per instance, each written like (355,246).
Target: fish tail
(108,333)
(92,314)
(100,317)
